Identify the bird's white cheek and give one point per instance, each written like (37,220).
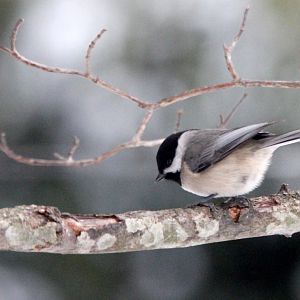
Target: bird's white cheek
(175,166)
(180,150)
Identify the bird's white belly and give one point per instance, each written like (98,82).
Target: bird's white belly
(237,174)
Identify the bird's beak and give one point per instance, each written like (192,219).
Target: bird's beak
(160,177)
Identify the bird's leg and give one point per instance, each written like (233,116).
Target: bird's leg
(208,201)
(216,205)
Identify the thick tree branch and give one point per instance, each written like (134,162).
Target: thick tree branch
(44,229)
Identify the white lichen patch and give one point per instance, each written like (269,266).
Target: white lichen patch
(286,223)
(156,233)
(181,234)
(28,238)
(15,235)
(173,232)
(4,224)
(84,243)
(106,241)
(153,235)
(205,225)
(133,224)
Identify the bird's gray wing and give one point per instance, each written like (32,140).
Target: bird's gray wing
(207,147)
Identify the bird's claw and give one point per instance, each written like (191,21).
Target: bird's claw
(241,202)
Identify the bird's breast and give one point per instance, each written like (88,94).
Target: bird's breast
(237,174)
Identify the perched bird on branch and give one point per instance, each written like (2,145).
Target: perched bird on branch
(218,163)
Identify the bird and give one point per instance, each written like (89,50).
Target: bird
(220,163)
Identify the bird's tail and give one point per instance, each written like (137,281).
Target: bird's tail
(282,140)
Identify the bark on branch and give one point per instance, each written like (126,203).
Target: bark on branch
(45,229)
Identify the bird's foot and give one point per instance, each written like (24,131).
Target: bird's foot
(214,209)
(284,189)
(207,202)
(210,205)
(240,202)
(216,205)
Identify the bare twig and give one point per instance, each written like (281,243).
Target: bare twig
(224,122)
(90,49)
(141,129)
(58,156)
(228,49)
(3,142)
(244,83)
(71,152)
(45,229)
(62,161)
(96,80)
(178,120)
(149,107)
(74,147)
(69,161)
(13,37)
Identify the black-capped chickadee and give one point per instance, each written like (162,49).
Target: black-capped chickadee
(217,163)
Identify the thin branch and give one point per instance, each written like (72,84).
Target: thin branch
(13,38)
(149,107)
(71,152)
(224,122)
(141,129)
(152,143)
(242,28)
(178,120)
(243,83)
(61,161)
(228,49)
(69,161)
(90,49)
(96,80)
(45,229)
(74,147)
(165,101)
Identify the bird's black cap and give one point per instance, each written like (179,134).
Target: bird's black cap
(166,151)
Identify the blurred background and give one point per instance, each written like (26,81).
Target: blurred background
(153,49)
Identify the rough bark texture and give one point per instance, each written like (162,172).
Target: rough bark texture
(45,229)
